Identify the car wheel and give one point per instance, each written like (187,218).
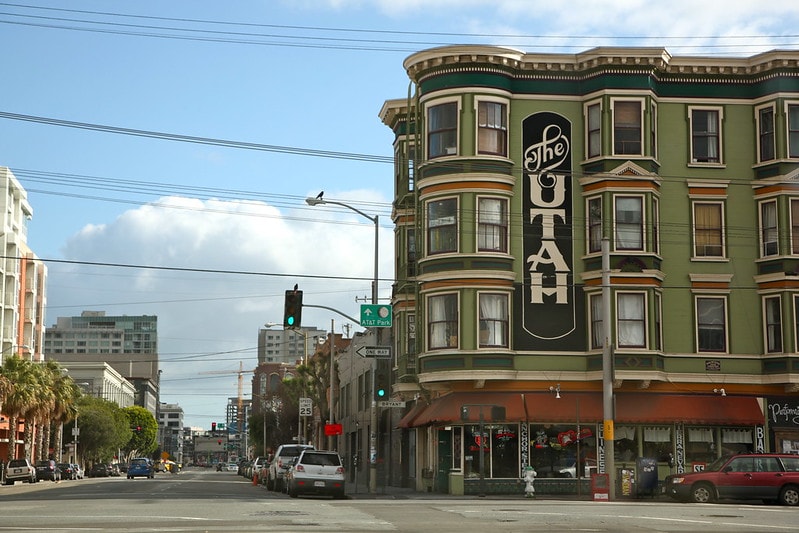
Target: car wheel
(292,492)
(278,485)
(270,485)
(339,495)
(789,495)
(702,493)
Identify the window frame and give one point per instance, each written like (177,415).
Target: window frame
(765,233)
(794,224)
(766,135)
(695,135)
(593,224)
(640,225)
(501,131)
(429,229)
(430,323)
(501,227)
(596,334)
(639,321)
(593,129)
(655,225)
(628,127)
(502,322)
(792,129)
(653,129)
(443,151)
(658,321)
(795,323)
(772,329)
(698,326)
(715,231)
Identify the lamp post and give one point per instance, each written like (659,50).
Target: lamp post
(373,411)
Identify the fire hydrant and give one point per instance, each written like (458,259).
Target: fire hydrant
(529,478)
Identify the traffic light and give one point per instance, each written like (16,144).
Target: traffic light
(213,427)
(381,384)
(292,310)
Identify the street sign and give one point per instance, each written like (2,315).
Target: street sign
(375,316)
(378,352)
(391,403)
(306,407)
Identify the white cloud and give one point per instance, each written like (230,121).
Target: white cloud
(213,306)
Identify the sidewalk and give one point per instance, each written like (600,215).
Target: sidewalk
(400,493)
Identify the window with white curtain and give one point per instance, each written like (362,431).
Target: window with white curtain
(657,434)
(629,222)
(492,128)
(442,321)
(631,320)
(705,135)
(493,320)
(708,229)
(711,324)
(768,229)
(736,436)
(700,435)
(492,225)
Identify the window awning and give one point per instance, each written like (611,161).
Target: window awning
(631,408)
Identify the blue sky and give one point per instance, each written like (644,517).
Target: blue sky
(286,78)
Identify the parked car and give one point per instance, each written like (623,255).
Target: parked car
(47,470)
(20,470)
(316,472)
(768,477)
(140,467)
(100,470)
(67,471)
(113,470)
(284,458)
(232,467)
(255,467)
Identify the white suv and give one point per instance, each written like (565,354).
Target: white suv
(284,457)
(20,470)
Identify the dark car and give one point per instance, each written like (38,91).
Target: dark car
(47,470)
(67,471)
(767,477)
(99,470)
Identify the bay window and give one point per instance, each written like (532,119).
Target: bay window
(442,321)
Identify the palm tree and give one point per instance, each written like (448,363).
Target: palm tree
(65,407)
(19,401)
(38,411)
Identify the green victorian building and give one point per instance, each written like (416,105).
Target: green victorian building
(511,170)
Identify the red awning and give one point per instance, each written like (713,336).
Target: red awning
(631,408)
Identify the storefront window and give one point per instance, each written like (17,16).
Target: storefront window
(700,448)
(499,446)
(554,450)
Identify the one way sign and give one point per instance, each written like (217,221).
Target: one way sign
(378,352)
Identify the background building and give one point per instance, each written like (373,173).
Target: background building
(128,343)
(170,430)
(511,169)
(102,381)
(289,345)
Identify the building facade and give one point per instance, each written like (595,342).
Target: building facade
(511,171)
(128,343)
(171,430)
(288,345)
(23,283)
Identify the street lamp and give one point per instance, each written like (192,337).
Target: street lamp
(319,200)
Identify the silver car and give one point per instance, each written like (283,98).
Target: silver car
(284,458)
(316,472)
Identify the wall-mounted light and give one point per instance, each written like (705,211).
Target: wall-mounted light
(556,390)
(720,391)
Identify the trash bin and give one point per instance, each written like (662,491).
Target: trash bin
(646,473)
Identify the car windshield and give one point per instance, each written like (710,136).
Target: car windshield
(716,465)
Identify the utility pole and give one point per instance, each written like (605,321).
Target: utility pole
(608,406)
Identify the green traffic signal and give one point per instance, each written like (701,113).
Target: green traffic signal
(292,309)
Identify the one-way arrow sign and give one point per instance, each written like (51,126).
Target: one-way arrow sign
(378,352)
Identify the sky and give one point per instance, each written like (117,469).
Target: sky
(167,148)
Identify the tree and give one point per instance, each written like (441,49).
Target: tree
(144,432)
(104,429)
(19,401)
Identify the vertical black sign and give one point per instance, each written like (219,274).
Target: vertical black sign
(548,296)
